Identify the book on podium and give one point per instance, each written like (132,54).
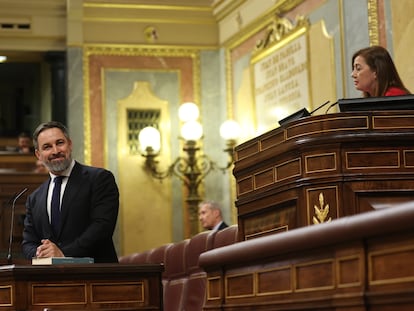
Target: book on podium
(61,260)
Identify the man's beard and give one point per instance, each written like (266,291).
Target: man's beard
(59,166)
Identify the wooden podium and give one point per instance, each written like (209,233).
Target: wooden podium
(81,287)
(324,167)
(344,183)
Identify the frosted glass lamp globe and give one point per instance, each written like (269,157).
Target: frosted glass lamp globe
(188,112)
(192,130)
(149,137)
(230,130)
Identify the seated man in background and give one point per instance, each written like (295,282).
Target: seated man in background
(24,143)
(209,214)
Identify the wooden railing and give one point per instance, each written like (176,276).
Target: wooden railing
(359,262)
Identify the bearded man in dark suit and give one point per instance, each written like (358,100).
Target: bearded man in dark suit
(89,203)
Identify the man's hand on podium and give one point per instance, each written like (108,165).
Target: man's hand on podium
(48,249)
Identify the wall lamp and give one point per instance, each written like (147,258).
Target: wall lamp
(193,167)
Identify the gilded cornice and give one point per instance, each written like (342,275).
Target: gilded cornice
(228,9)
(277,31)
(144,50)
(148,13)
(155,7)
(287,5)
(192,21)
(217,3)
(280,8)
(37,7)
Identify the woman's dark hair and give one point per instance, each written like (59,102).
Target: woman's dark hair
(380,61)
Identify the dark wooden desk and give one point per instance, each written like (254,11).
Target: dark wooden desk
(81,287)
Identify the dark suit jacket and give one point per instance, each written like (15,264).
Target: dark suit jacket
(222,226)
(89,212)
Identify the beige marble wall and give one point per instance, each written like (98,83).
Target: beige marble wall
(146,214)
(150,211)
(321,64)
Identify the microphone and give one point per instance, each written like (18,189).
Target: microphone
(331,105)
(321,106)
(13,207)
(300,114)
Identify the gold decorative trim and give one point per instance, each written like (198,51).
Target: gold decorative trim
(157,7)
(344,61)
(260,179)
(185,21)
(67,285)
(278,30)
(395,152)
(275,180)
(132,50)
(264,49)
(388,251)
(286,268)
(321,212)
(141,285)
(10,289)
(151,34)
(404,126)
(373,30)
(257,175)
(302,124)
(230,7)
(86,109)
(293,270)
(283,6)
(319,155)
(405,153)
(142,50)
(103,119)
(271,141)
(320,189)
(241,275)
(299,173)
(209,281)
(340,260)
(249,180)
(309,264)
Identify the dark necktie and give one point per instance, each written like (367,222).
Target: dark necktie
(55,204)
